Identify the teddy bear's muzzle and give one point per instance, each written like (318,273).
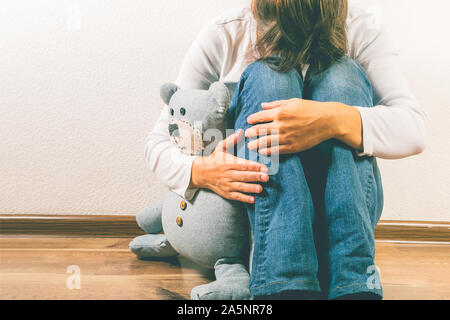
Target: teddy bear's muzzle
(186,137)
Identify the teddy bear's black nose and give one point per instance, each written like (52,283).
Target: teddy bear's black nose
(173,130)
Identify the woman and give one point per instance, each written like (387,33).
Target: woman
(318,85)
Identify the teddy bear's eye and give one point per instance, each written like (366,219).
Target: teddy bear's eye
(183,111)
(172,112)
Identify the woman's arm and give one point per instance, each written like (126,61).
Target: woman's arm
(228,176)
(396,127)
(200,68)
(166,161)
(183,174)
(298,125)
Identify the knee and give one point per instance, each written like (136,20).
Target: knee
(343,82)
(259,69)
(260,83)
(346,73)
(262,76)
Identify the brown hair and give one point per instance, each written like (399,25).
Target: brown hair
(301,32)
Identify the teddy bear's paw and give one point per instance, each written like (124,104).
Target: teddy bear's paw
(152,246)
(230,289)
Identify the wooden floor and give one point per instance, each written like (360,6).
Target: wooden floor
(36,268)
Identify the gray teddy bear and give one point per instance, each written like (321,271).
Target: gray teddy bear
(208,230)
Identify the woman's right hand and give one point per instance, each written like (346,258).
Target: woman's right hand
(228,176)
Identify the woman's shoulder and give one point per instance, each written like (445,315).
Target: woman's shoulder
(365,27)
(230,28)
(356,13)
(227,30)
(364,22)
(236,17)
(233,30)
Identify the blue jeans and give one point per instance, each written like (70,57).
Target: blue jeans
(313,225)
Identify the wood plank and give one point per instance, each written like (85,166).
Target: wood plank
(414,271)
(35,268)
(70,226)
(126,227)
(413,231)
(8,242)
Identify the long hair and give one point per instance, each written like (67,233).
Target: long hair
(301,32)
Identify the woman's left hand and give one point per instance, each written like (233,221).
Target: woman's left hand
(296,125)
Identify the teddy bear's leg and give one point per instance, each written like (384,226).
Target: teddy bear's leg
(232,282)
(152,246)
(150,219)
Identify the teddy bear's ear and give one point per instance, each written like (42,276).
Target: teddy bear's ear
(222,95)
(167,92)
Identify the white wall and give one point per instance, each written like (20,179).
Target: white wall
(79,92)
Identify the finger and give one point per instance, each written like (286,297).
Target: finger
(278,150)
(248,176)
(273,105)
(263,116)
(262,130)
(245,187)
(236,196)
(231,141)
(246,165)
(265,142)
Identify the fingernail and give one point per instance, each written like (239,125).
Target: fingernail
(264,169)
(264,177)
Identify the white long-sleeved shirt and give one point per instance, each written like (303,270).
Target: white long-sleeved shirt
(395,128)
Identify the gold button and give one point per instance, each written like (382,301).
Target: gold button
(183,205)
(179,222)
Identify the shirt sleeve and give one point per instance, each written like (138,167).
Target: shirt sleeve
(396,127)
(200,68)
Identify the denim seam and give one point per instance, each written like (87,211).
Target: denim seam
(245,98)
(265,225)
(264,245)
(368,187)
(264,210)
(262,238)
